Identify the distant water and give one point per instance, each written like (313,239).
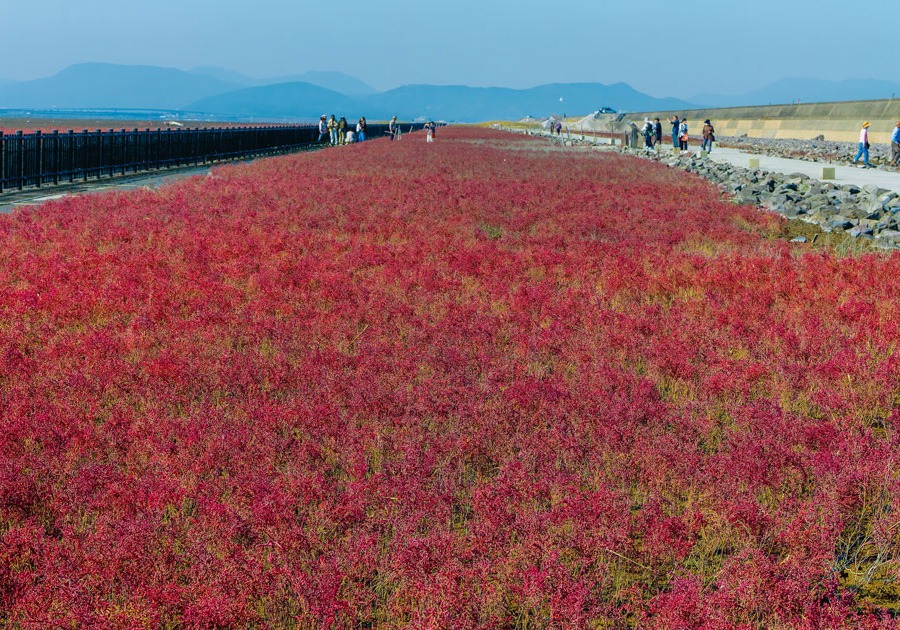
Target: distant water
(136,114)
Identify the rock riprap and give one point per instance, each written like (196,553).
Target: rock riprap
(866,212)
(862,212)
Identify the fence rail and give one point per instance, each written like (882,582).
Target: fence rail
(39,159)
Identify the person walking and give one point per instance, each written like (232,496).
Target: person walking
(429,132)
(657,131)
(332,130)
(342,130)
(895,145)
(676,126)
(323,128)
(361,130)
(683,134)
(647,130)
(394,129)
(709,136)
(863,146)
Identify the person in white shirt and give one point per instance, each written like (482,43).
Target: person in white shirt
(863,145)
(394,129)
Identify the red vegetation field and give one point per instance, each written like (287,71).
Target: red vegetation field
(477,383)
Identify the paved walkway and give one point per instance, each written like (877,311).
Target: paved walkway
(844,174)
(36,196)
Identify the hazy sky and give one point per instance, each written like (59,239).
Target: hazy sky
(662,48)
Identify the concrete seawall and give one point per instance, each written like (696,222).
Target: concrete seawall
(838,121)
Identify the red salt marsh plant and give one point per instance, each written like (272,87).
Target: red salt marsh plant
(477,383)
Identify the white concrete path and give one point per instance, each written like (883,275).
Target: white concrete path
(844,174)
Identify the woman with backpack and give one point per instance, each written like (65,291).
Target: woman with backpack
(683,135)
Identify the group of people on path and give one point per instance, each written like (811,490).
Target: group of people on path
(864,145)
(335,131)
(653,133)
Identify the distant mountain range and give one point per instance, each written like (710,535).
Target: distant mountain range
(104,85)
(226,94)
(439,102)
(337,81)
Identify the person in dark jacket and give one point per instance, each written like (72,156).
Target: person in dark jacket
(676,125)
(657,131)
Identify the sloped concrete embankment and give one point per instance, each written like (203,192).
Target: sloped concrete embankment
(837,121)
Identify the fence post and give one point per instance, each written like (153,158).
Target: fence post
(113,151)
(71,155)
(2,161)
(20,158)
(99,153)
(55,156)
(126,140)
(39,148)
(136,150)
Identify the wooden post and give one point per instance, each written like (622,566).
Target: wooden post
(2,161)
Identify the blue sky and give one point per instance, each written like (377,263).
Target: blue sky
(662,48)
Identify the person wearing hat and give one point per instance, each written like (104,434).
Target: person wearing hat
(895,145)
(323,128)
(647,130)
(708,134)
(863,145)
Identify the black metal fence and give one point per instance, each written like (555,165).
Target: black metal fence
(38,159)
